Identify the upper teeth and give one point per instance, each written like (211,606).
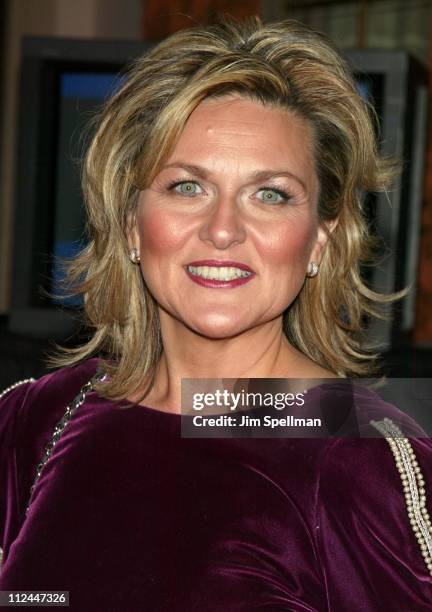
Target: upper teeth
(216,273)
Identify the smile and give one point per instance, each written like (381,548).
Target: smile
(215,275)
(218,273)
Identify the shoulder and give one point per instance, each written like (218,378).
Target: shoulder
(11,400)
(61,384)
(31,405)
(350,408)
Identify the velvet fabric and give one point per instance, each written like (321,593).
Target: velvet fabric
(130,516)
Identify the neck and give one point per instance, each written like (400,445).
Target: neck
(262,352)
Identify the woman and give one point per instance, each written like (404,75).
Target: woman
(223,188)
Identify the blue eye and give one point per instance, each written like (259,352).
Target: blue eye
(273,196)
(187,188)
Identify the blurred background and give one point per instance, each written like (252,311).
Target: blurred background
(61,59)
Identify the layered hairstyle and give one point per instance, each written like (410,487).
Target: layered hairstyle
(286,65)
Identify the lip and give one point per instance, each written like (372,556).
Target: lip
(217,263)
(216,284)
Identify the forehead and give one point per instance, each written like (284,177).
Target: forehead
(247,131)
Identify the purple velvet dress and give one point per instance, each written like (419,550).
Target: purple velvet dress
(128,516)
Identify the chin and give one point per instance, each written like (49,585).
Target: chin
(218,328)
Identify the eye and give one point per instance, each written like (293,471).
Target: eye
(272,195)
(186,188)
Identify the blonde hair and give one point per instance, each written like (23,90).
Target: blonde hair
(284,64)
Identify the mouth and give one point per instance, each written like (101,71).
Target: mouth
(213,273)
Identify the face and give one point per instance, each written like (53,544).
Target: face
(229,225)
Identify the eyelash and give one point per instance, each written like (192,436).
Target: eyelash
(283,194)
(173,184)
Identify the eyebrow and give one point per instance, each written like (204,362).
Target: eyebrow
(257,175)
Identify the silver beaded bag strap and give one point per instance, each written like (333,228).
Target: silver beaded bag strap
(60,427)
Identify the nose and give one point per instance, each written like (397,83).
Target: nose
(224,226)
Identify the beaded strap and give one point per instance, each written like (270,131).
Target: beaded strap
(413,485)
(15,385)
(60,426)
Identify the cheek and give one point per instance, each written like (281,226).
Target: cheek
(287,245)
(159,233)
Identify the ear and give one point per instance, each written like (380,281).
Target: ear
(132,233)
(322,239)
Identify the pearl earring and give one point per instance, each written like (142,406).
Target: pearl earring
(312,269)
(134,256)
